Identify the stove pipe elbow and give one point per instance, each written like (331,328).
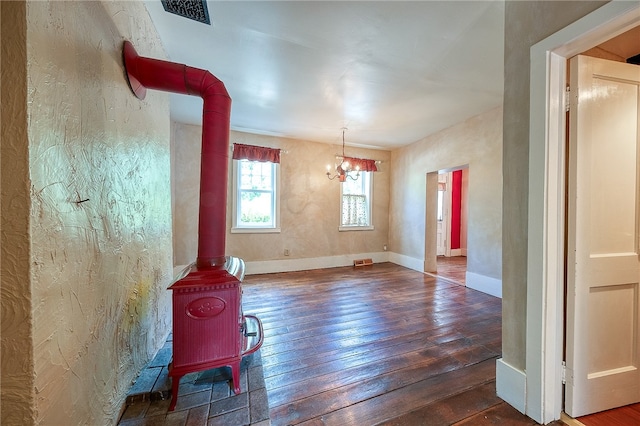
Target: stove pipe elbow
(146,73)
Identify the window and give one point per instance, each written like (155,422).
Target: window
(255,197)
(356,202)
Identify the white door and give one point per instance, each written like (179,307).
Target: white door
(444,200)
(603,298)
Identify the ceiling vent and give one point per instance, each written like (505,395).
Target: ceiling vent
(191,9)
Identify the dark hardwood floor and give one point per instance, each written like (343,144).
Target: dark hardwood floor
(378,344)
(452,268)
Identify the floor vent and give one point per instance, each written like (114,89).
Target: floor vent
(195,10)
(362,262)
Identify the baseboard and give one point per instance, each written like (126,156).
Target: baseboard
(456,252)
(484,284)
(407,262)
(289,265)
(475,281)
(511,385)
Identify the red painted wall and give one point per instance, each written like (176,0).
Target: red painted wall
(456,202)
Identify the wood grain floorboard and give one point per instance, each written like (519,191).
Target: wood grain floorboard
(380,344)
(624,416)
(453,268)
(451,409)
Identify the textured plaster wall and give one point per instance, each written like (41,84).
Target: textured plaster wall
(186,145)
(309,201)
(16,359)
(476,142)
(526,23)
(97,271)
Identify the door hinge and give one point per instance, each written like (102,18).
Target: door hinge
(567,99)
(564,372)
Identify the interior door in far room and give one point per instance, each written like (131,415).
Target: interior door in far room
(444,203)
(603,263)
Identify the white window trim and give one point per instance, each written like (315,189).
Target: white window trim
(356,228)
(370,227)
(234,214)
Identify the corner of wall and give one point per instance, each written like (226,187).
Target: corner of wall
(305,264)
(484,284)
(407,262)
(17,353)
(511,385)
(99,270)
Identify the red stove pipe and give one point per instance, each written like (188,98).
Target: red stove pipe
(156,74)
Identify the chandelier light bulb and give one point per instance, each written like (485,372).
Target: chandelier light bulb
(343,169)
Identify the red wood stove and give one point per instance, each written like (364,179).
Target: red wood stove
(209,328)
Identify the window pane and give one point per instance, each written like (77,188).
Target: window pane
(355,210)
(354,186)
(256,175)
(255,209)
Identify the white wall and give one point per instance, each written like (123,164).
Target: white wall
(98,270)
(18,404)
(526,23)
(310,206)
(310,202)
(477,142)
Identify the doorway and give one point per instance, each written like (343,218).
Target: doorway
(451,223)
(453,187)
(545,274)
(602,335)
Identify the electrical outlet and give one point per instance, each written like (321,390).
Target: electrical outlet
(286,252)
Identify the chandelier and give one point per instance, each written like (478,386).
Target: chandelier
(342,170)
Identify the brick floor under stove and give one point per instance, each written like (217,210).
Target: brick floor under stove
(204,398)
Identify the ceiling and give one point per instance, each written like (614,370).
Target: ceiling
(621,47)
(391,72)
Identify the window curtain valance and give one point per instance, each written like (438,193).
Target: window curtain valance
(255,153)
(364,164)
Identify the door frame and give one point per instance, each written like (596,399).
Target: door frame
(545,277)
(430,263)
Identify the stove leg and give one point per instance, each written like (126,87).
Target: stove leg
(235,376)
(175,383)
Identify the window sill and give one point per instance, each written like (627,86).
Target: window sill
(355,228)
(255,230)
